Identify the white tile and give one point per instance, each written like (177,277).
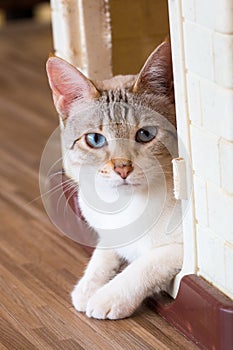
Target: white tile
(216,15)
(210,251)
(206,13)
(200,198)
(229,268)
(217,109)
(194,100)
(226,165)
(220,212)
(188,10)
(205,154)
(223,59)
(198,49)
(224,14)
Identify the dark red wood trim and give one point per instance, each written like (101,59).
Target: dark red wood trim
(201,312)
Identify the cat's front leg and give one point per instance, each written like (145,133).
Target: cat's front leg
(103,265)
(150,273)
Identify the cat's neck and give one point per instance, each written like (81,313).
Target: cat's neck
(110,206)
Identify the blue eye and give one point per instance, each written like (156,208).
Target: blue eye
(146,134)
(95,140)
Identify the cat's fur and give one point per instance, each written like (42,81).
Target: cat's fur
(137,233)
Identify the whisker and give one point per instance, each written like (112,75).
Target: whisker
(53,165)
(67,182)
(72,185)
(60,172)
(155,171)
(67,200)
(50,192)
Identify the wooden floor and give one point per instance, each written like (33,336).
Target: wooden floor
(38,266)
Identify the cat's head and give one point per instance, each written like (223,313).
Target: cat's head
(121,129)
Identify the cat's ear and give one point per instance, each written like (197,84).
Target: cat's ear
(68,84)
(156,76)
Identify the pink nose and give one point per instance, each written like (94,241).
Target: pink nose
(122,167)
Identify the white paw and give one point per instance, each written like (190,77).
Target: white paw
(82,293)
(106,303)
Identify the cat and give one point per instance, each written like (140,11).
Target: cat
(119,137)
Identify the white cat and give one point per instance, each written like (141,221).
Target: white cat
(119,137)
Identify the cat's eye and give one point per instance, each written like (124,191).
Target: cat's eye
(95,140)
(146,134)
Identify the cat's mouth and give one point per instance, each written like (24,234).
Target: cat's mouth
(127,183)
(121,183)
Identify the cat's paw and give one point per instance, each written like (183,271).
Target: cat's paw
(79,299)
(81,293)
(106,303)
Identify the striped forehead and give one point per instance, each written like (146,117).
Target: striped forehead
(117,108)
(119,95)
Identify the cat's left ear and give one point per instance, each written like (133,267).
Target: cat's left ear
(68,84)
(156,76)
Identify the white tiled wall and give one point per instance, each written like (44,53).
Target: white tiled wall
(202,38)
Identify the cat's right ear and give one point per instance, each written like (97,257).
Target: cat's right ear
(156,76)
(68,85)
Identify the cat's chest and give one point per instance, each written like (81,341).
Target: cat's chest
(130,224)
(134,250)
(115,210)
